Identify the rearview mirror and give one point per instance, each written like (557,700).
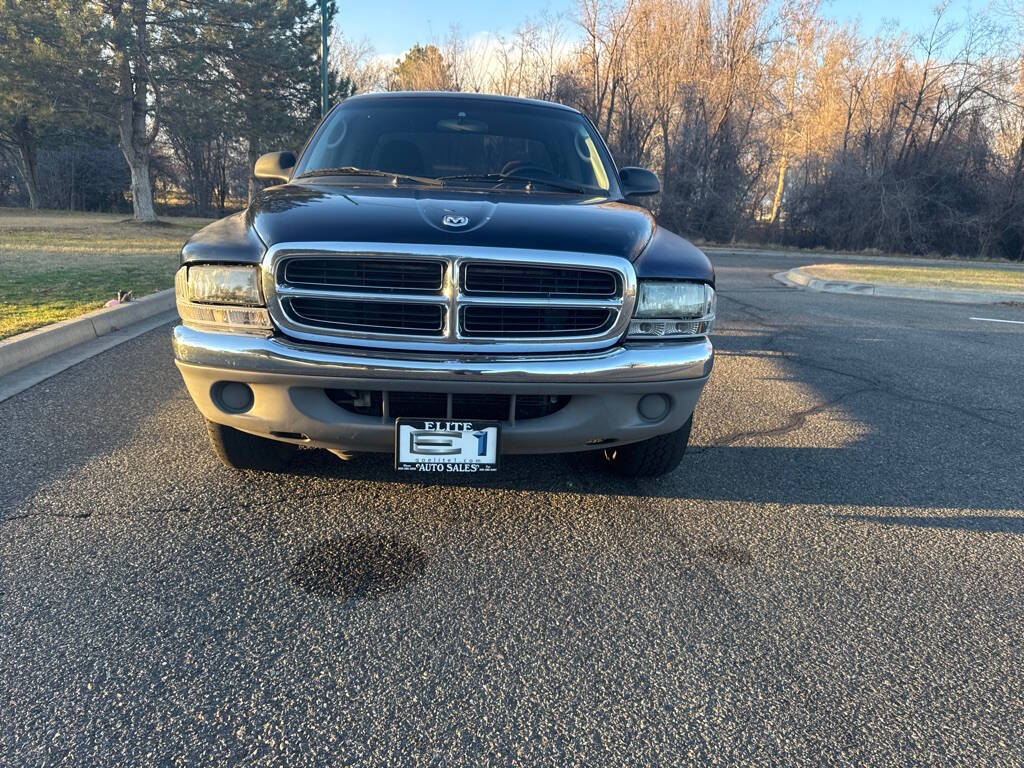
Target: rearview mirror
(638,181)
(275,165)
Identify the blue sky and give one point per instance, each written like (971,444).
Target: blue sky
(394,25)
(913,15)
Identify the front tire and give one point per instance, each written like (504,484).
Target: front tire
(650,458)
(240,450)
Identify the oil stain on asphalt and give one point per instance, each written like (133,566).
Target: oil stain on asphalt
(360,567)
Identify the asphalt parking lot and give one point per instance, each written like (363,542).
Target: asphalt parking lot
(834,576)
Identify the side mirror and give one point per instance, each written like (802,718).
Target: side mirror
(638,181)
(275,165)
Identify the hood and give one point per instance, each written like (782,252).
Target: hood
(553,222)
(297,213)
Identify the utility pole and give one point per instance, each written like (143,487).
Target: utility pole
(323,58)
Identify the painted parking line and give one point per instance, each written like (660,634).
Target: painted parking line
(997,320)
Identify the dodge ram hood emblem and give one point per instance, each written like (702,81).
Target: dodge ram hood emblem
(452,220)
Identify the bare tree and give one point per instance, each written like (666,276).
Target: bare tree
(358,61)
(802,29)
(138,113)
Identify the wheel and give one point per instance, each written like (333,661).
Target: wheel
(650,458)
(240,450)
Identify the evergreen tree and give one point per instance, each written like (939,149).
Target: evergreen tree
(270,53)
(49,78)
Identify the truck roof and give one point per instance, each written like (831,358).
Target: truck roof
(455,96)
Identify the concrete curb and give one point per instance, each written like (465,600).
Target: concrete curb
(797,278)
(31,347)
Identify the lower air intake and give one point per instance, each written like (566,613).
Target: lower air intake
(434,405)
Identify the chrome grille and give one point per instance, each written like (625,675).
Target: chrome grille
(417,319)
(533,321)
(392,276)
(448,298)
(521,279)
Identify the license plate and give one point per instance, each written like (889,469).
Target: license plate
(446,445)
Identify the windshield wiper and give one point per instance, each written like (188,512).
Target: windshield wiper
(501,178)
(351,170)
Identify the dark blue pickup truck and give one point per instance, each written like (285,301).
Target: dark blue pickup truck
(451,278)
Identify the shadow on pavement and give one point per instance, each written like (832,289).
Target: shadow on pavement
(815,476)
(910,449)
(976,523)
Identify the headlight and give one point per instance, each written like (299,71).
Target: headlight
(224,285)
(672,309)
(214,298)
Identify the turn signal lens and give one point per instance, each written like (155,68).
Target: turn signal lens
(205,317)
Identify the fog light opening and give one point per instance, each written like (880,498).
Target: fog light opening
(654,407)
(233,396)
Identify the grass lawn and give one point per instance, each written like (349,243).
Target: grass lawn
(56,265)
(949,278)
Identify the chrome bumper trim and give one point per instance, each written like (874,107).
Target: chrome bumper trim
(631,363)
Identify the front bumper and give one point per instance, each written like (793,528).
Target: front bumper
(289,380)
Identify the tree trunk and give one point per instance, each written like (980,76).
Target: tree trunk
(24,140)
(254,155)
(779,188)
(142,190)
(71,186)
(666,151)
(133,88)
(27,166)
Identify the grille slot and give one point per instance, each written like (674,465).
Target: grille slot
(423,404)
(485,279)
(539,321)
(377,275)
(434,405)
(469,405)
(383,316)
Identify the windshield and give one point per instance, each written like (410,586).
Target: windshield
(466,142)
